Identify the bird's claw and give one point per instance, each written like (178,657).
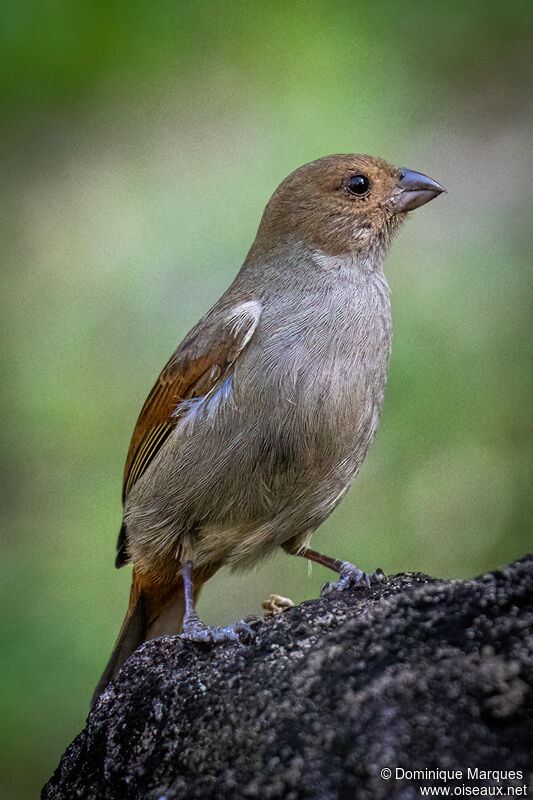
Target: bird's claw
(244,628)
(351,577)
(194,630)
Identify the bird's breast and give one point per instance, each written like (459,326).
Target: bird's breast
(321,361)
(332,338)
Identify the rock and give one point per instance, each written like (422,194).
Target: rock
(415,674)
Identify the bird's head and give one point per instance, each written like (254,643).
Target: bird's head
(344,204)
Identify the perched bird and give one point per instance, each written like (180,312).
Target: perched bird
(259,422)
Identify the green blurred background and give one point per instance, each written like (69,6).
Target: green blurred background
(142,142)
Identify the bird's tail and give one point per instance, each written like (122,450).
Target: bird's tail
(154,610)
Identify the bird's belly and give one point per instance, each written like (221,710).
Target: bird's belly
(236,497)
(291,488)
(294,470)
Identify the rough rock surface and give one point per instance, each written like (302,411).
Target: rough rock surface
(417,674)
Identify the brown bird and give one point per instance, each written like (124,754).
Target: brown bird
(259,422)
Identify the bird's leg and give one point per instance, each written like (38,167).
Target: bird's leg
(197,631)
(350,576)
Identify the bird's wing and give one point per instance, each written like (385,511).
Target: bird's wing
(184,377)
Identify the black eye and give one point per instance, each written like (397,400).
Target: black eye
(357,184)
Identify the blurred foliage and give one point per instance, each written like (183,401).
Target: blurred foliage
(142,141)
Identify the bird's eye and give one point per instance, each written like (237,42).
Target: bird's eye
(357,184)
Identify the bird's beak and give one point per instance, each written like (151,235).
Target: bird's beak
(413,190)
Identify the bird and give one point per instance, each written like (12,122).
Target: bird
(260,420)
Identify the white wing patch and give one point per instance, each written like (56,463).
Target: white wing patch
(243,320)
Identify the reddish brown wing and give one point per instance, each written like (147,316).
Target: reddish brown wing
(182,378)
(177,382)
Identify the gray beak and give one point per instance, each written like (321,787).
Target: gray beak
(414,190)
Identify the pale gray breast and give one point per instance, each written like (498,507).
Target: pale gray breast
(320,354)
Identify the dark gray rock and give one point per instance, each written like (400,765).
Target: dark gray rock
(417,674)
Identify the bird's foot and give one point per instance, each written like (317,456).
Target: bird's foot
(351,577)
(194,630)
(276,604)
